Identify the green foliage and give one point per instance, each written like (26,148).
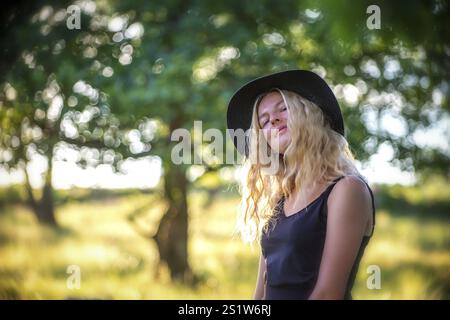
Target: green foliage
(193,55)
(424,200)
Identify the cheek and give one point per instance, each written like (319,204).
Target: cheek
(267,137)
(285,139)
(266,134)
(278,140)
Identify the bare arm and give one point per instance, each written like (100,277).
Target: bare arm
(260,281)
(349,210)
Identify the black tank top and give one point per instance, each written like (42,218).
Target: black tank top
(293,247)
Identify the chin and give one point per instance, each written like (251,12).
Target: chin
(283,144)
(282,149)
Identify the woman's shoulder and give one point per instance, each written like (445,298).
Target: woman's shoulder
(351,191)
(353,182)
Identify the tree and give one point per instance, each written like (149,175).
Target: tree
(195,54)
(51,97)
(183,71)
(174,62)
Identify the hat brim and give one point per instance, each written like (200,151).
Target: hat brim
(306,83)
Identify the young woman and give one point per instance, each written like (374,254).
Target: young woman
(313,215)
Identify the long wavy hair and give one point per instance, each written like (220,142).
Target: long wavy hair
(316,153)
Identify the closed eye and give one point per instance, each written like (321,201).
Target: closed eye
(281,108)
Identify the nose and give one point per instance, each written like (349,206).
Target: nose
(274,120)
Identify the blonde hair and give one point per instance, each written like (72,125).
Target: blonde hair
(312,139)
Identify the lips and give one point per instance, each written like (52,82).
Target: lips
(282,129)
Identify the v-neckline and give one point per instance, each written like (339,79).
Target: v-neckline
(307,206)
(301,210)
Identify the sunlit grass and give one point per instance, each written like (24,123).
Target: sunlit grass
(414,257)
(116,262)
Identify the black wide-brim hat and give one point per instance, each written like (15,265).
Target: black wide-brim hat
(306,83)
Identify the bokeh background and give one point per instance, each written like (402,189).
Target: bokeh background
(91,205)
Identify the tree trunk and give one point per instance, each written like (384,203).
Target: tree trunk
(46,208)
(43,209)
(172,234)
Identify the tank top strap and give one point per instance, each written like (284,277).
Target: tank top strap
(331,186)
(327,191)
(338,178)
(373,205)
(373,209)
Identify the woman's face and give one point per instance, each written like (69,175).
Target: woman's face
(273,115)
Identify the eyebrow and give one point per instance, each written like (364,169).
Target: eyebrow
(265,113)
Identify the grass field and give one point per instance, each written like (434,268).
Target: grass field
(118,262)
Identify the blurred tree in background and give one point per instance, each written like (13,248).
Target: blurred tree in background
(50,96)
(135,71)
